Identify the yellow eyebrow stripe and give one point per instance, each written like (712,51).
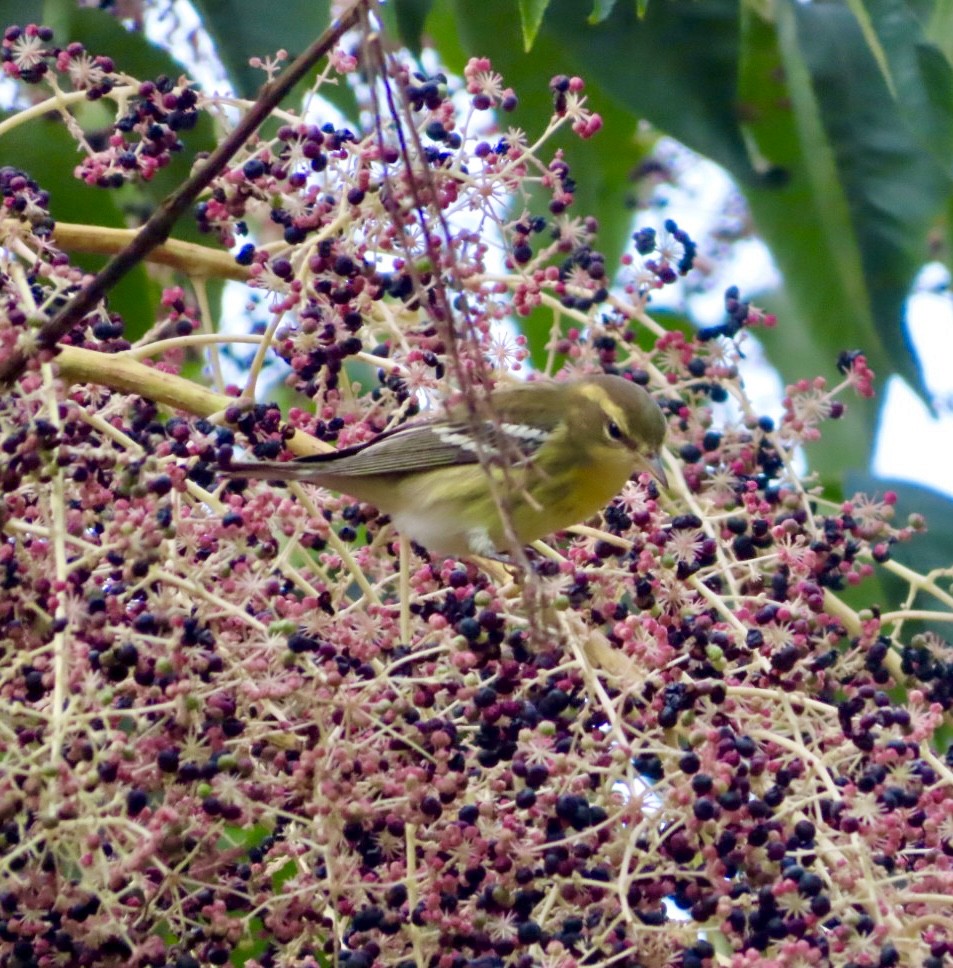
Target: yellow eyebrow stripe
(609,407)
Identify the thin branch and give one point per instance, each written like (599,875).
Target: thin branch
(196,260)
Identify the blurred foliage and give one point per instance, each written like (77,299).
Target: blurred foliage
(241,29)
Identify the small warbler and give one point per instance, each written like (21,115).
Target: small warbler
(557,453)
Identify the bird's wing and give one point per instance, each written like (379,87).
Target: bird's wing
(429,444)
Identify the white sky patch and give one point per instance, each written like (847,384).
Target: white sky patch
(915,444)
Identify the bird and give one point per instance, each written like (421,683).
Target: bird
(541,456)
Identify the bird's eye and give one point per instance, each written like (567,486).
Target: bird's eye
(613,430)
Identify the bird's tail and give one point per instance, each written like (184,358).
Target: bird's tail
(275,470)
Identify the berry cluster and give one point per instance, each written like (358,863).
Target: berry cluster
(231,733)
(146,133)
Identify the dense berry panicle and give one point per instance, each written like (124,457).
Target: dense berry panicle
(225,732)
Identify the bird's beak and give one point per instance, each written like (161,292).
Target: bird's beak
(653,464)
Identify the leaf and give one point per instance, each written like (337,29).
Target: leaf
(21,12)
(799,350)
(917,73)
(235,836)
(531,16)
(894,190)
(788,142)
(929,106)
(444,31)
(409,19)
(241,29)
(942,738)
(939,28)
(862,15)
(676,66)
(853,193)
(254,940)
(601,10)
(785,125)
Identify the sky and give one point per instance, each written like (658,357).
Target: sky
(915,444)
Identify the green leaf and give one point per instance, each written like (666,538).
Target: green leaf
(285,873)
(254,941)
(247,837)
(241,29)
(409,19)
(787,139)
(862,15)
(916,71)
(601,10)
(894,190)
(676,66)
(787,131)
(943,737)
(939,28)
(21,12)
(443,29)
(929,105)
(531,16)
(851,193)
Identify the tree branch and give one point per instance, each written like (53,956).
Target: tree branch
(187,257)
